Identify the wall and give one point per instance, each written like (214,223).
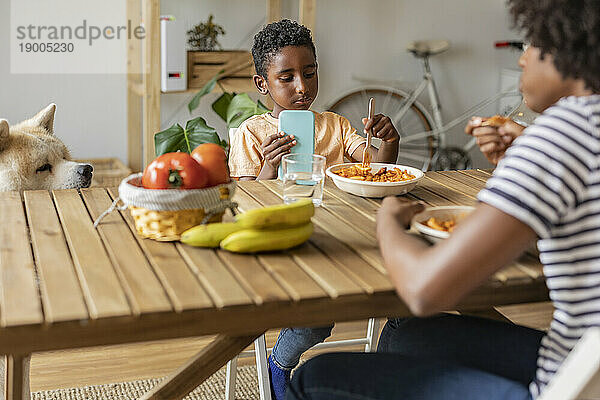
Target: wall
(353,37)
(91,109)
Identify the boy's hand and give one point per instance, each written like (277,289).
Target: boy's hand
(275,146)
(398,209)
(383,128)
(493,141)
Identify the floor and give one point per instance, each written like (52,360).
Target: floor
(99,365)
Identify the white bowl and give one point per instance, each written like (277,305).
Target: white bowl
(440,213)
(375,189)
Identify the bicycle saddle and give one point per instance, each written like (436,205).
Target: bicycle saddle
(426,48)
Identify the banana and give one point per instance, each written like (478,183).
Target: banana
(257,240)
(279,216)
(209,235)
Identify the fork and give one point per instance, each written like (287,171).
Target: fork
(366,156)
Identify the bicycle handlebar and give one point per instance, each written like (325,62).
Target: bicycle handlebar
(514,44)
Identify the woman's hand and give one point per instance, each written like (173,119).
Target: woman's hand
(383,128)
(493,141)
(399,210)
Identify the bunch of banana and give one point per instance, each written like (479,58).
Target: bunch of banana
(263,229)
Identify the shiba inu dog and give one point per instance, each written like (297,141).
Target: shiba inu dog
(32,157)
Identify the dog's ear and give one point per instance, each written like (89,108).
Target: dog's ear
(4,130)
(45,118)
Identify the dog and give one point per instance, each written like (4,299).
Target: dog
(33,158)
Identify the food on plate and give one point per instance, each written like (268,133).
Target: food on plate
(174,171)
(441,225)
(281,215)
(495,121)
(214,159)
(358,172)
(258,240)
(270,228)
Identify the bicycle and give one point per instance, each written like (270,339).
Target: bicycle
(423,134)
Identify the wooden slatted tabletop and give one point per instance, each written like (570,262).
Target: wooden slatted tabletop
(65,284)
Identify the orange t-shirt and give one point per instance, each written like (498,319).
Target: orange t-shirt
(335,139)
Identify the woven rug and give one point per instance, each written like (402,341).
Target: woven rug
(213,388)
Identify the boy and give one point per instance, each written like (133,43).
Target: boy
(286,70)
(546,187)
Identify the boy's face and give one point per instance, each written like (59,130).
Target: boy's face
(541,84)
(292,79)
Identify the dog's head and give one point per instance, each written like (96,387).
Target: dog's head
(31,157)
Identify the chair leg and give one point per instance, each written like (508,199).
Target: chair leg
(262,369)
(372,335)
(230,378)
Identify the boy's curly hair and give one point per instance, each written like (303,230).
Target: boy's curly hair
(273,37)
(569,30)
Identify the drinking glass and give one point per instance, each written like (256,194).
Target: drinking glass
(303,177)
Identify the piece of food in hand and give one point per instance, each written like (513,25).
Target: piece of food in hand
(282,215)
(174,171)
(260,240)
(209,235)
(495,121)
(446,225)
(214,159)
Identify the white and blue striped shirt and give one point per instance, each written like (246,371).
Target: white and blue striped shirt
(550,180)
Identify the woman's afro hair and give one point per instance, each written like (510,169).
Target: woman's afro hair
(569,30)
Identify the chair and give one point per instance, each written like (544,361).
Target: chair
(578,378)
(260,352)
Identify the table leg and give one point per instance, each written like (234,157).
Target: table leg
(200,367)
(17,377)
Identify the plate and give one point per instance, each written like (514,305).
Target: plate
(440,213)
(375,189)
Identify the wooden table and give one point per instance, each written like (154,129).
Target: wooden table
(66,285)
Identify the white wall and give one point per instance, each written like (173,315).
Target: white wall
(91,109)
(352,37)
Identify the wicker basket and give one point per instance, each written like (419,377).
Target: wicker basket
(169,223)
(108,172)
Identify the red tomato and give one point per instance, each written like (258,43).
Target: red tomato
(174,171)
(213,158)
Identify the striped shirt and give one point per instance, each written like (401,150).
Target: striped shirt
(550,180)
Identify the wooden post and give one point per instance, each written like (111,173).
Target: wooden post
(17,377)
(151,77)
(273,10)
(134,90)
(307,13)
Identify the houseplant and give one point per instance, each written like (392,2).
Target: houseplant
(233,108)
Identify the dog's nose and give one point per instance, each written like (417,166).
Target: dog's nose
(85,170)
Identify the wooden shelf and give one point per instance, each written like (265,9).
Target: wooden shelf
(238,85)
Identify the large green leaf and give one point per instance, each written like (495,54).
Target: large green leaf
(169,140)
(206,89)
(221,104)
(177,138)
(199,132)
(241,108)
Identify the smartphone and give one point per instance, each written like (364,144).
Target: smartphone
(301,124)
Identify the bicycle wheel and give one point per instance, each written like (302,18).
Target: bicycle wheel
(417,145)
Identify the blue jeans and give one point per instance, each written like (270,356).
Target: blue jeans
(442,357)
(293,342)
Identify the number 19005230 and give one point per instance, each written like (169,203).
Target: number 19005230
(46,47)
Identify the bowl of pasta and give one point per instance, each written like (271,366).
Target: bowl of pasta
(376,180)
(437,223)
